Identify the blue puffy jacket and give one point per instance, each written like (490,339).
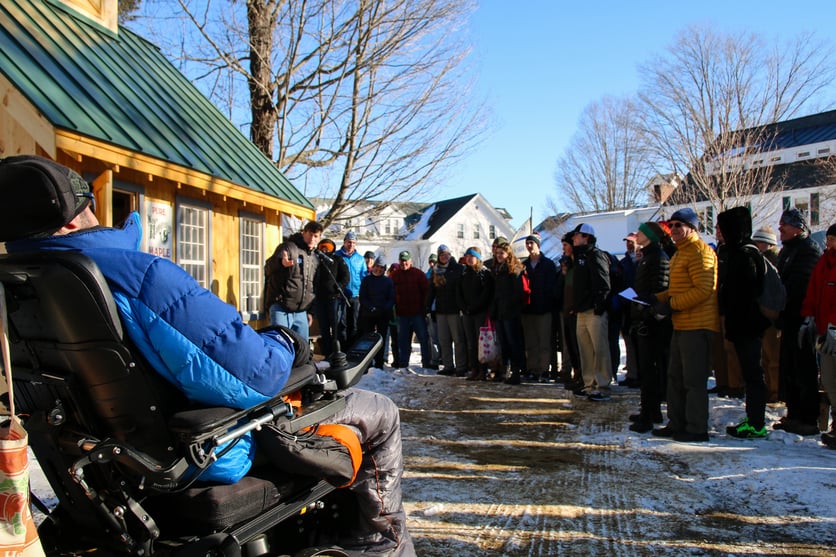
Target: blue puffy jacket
(187,334)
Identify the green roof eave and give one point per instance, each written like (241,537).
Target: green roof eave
(120,89)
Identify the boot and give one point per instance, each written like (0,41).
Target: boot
(513,379)
(829,438)
(475,375)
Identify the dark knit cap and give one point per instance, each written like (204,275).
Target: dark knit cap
(688,216)
(794,217)
(653,231)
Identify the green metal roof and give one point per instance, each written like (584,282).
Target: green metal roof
(121,90)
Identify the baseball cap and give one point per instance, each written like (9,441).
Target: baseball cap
(404,256)
(584,228)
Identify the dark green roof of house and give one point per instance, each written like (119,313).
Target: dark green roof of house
(121,90)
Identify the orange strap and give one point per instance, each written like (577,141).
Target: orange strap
(294,399)
(346,437)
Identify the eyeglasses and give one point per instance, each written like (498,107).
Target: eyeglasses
(678,225)
(89,195)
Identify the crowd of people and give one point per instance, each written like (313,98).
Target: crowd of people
(683,306)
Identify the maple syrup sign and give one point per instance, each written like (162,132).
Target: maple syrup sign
(158,228)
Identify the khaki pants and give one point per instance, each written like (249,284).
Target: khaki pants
(594,347)
(727,372)
(770,358)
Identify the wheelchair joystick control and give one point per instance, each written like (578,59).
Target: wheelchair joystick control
(338,360)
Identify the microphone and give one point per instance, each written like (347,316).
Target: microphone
(323,256)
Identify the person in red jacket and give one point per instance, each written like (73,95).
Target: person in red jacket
(819,310)
(411,289)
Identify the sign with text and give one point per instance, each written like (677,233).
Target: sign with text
(158,228)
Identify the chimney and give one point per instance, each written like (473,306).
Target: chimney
(103,12)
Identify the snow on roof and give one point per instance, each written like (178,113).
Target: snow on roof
(422,225)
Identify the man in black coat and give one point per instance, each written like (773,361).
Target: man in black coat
(591,291)
(739,282)
(798,372)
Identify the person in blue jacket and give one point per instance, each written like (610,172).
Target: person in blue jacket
(357,270)
(198,342)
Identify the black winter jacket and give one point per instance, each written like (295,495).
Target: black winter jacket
(443,288)
(653,274)
(507,294)
(474,292)
(739,277)
(329,285)
(591,278)
(543,282)
(796,261)
(291,287)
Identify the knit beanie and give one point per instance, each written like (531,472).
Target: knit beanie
(653,231)
(794,217)
(766,235)
(688,216)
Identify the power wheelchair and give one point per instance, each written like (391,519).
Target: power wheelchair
(122,448)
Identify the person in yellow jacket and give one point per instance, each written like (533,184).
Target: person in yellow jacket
(691,300)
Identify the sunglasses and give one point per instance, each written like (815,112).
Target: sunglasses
(678,225)
(89,195)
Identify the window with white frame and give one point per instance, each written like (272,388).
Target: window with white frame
(476,232)
(252,259)
(460,231)
(492,232)
(193,241)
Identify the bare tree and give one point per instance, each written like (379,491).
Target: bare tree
(607,164)
(709,101)
(355,100)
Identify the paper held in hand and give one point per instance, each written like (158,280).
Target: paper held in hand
(630,294)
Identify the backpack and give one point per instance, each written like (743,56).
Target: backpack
(773,294)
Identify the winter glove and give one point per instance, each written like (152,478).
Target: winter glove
(661,310)
(828,341)
(807,332)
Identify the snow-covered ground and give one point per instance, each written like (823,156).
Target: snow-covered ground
(493,469)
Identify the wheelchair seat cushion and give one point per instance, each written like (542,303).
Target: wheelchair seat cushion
(211,507)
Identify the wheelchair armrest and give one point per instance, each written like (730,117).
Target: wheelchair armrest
(347,369)
(221,425)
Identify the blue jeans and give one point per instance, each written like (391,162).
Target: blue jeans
(408,324)
(294,320)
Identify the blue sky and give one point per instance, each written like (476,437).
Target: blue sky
(540,63)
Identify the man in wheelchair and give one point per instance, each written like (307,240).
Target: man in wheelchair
(201,345)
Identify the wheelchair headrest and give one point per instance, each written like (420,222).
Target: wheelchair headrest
(39,196)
